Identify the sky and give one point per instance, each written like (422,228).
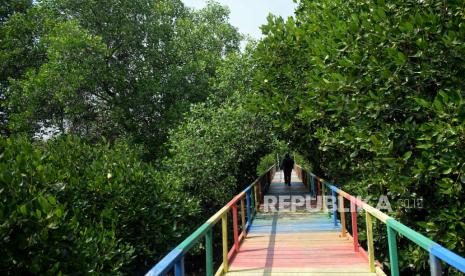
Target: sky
(249,15)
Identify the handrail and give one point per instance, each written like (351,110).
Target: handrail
(436,251)
(252,194)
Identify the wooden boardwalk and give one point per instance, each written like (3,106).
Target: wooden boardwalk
(296,239)
(298,242)
(293,240)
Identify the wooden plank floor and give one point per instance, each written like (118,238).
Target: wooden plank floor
(296,243)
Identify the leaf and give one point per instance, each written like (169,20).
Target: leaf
(52,200)
(406,27)
(59,212)
(43,203)
(23,209)
(447,171)
(424,146)
(444,96)
(407,155)
(401,59)
(422,102)
(380,12)
(438,104)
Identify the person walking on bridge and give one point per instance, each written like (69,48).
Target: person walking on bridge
(287,165)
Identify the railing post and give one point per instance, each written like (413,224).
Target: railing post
(257,199)
(342,212)
(249,213)
(371,250)
(392,243)
(209,252)
(267,182)
(318,188)
(325,206)
(243,217)
(179,267)
(334,207)
(435,266)
(353,211)
(224,224)
(312,182)
(252,201)
(235,227)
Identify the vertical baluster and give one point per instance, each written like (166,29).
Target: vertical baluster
(266,185)
(179,267)
(235,227)
(263,188)
(353,211)
(224,224)
(209,252)
(249,213)
(371,250)
(342,213)
(312,183)
(325,207)
(257,199)
(392,243)
(334,207)
(318,188)
(252,201)
(244,232)
(269,180)
(435,266)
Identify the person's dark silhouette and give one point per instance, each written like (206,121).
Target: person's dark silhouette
(287,165)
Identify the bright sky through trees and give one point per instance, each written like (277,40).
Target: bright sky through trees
(249,15)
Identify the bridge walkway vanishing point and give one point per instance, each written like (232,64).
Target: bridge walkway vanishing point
(294,241)
(305,238)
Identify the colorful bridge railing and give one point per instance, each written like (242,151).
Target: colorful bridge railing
(249,200)
(393,227)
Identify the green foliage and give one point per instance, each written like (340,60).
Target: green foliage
(234,75)
(279,150)
(302,161)
(271,159)
(69,206)
(266,162)
(371,92)
(56,92)
(20,48)
(10,7)
(213,154)
(116,68)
